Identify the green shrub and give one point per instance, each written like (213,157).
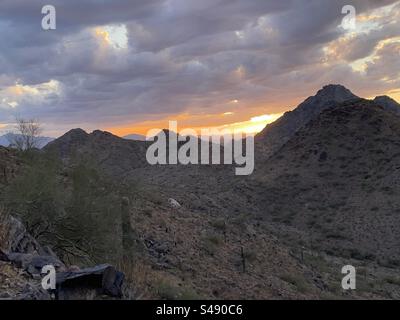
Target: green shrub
(211,242)
(219,224)
(171,291)
(297,281)
(393,280)
(75,210)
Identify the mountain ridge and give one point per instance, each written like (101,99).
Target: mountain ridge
(327,197)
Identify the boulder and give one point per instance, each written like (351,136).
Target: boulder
(173,203)
(3,256)
(33,264)
(90,283)
(15,238)
(20,250)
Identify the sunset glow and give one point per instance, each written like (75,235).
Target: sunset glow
(131,72)
(252,126)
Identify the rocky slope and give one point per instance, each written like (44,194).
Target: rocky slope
(388,104)
(278,133)
(333,188)
(341,174)
(108,151)
(324,194)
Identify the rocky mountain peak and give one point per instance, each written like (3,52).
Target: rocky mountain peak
(104,137)
(388,104)
(101,133)
(335,92)
(71,138)
(275,135)
(385,99)
(75,134)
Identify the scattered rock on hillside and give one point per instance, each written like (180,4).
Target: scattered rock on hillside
(173,203)
(15,238)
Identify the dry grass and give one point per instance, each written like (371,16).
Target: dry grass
(138,277)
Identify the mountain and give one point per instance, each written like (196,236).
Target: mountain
(137,137)
(41,141)
(336,182)
(278,133)
(188,251)
(388,103)
(111,153)
(4,142)
(327,197)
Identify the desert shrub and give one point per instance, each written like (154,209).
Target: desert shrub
(356,254)
(240,220)
(317,262)
(392,280)
(138,276)
(335,235)
(250,255)
(389,263)
(297,280)
(3,227)
(35,195)
(211,242)
(93,218)
(288,218)
(169,290)
(219,224)
(155,196)
(363,285)
(75,210)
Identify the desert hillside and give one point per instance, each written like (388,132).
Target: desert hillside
(324,194)
(336,181)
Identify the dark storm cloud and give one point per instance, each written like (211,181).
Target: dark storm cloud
(181,54)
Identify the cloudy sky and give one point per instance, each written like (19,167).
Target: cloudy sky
(129,66)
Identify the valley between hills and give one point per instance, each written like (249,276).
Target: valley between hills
(324,194)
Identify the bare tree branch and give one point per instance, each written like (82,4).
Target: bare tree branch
(27,134)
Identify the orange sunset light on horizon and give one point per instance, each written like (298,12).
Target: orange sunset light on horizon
(234,121)
(251,125)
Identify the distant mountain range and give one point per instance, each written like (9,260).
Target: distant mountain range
(41,141)
(134,136)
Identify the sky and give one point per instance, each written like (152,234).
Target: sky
(130,66)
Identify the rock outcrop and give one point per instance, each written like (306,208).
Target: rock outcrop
(90,283)
(22,259)
(15,238)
